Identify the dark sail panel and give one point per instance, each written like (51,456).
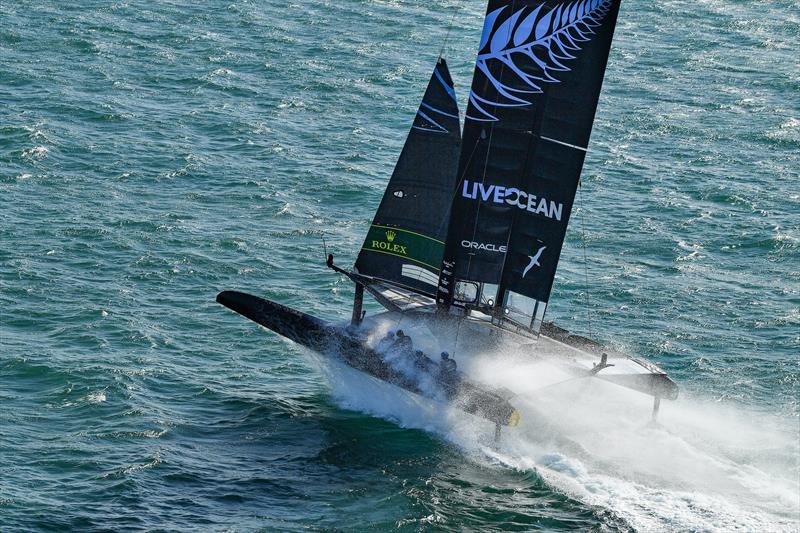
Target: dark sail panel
(537,81)
(405,243)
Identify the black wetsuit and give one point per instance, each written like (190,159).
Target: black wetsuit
(448,375)
(403,345)
(406,344)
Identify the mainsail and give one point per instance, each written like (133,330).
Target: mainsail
(535,90)
(405,242)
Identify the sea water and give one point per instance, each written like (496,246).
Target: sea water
(155,153)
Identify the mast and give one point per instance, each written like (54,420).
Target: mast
(405,242)
(536,85)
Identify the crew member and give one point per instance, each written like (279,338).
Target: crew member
(403,342)
(448,374)
(420,360)
(386,342)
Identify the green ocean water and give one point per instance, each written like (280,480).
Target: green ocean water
(155,153)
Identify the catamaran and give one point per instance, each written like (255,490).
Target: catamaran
(469,232)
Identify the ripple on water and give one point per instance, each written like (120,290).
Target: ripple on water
(155,153)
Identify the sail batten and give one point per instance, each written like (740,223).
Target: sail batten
(537,80)
(405,243)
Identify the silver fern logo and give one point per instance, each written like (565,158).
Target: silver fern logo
(425,121)
(548,39)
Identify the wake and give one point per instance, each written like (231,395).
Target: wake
(703,467)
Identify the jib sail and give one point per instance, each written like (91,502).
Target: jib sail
(405,242)
(535,90)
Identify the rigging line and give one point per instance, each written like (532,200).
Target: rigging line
(449,29)
(585,261)
(408,298)
(458,332)
(498,297)
(488,154)
(557,383)
(399,321)
(483,180)
(459,185)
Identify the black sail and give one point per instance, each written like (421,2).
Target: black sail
(537,81)
(405,242)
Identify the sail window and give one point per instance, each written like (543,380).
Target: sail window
(538,316)
(488,294)
(466,292)
(519,308)
(524,311)
(419,274)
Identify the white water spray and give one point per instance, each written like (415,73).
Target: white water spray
(702,467)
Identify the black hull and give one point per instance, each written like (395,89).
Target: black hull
(334,341)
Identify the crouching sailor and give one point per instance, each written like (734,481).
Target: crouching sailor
(448,374)
(386,342)
(404,342)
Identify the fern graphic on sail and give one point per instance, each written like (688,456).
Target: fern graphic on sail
(545,37)
(471,234)
(537,80)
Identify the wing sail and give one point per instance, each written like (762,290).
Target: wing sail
(535,90)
